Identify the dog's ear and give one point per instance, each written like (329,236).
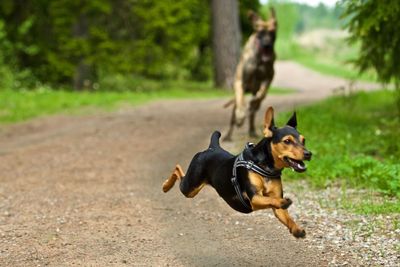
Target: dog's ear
(269,123)
(293,120)
(272,23)
(272,14)
(253,17)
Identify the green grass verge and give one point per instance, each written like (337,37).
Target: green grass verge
(21,105)
(373,207)
(329,66)
(333,61)
(354,140)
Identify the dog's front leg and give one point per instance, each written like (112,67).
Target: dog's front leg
(274,189)
(261,93)
(284,217)
(262,202)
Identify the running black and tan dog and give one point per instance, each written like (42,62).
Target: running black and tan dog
(254,72)
(251,180)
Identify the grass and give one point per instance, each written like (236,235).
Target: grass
(331,66)
(21,105)
(354,137)
(354,140)
(371,207)
(334,59)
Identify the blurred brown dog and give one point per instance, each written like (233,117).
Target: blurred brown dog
(254,72)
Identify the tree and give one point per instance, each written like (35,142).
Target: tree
(375,24)
(226,40)
(78,43)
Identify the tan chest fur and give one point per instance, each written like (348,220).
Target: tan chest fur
(270,188)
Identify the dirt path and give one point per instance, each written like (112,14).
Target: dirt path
(87,190)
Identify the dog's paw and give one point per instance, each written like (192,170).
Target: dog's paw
(166,186)
(285,203)
(299,233)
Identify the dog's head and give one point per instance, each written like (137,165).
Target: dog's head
(287,144)
(265,34)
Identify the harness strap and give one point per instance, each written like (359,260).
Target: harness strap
(267,173)
(250,165)
(236,185)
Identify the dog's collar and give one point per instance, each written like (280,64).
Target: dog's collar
(267,173)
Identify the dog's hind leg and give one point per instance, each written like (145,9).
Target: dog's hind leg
(194,180)
(176,174)
(191,183)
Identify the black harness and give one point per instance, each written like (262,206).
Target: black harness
(267,173)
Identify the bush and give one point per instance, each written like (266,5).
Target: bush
(6,74)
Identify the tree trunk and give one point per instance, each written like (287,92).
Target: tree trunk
(226,39)
(83,71)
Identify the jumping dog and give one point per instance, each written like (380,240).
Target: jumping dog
(254,72)
(251,180)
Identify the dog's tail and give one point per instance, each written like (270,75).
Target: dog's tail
(214,143)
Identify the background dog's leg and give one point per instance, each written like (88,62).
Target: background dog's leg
(176,174)
(228,136)
(240,103)
(284,217)
(252,128)
(255,104)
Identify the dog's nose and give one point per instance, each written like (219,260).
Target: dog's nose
(307,155)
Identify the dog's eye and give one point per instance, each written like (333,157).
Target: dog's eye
(287,141)
(304,142)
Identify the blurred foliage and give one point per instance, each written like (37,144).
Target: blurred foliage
(375,24)
(321,16)
(41,39)
(333,54)
(295,18)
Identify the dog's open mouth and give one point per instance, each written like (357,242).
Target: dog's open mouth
(265,56)
(296,165)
